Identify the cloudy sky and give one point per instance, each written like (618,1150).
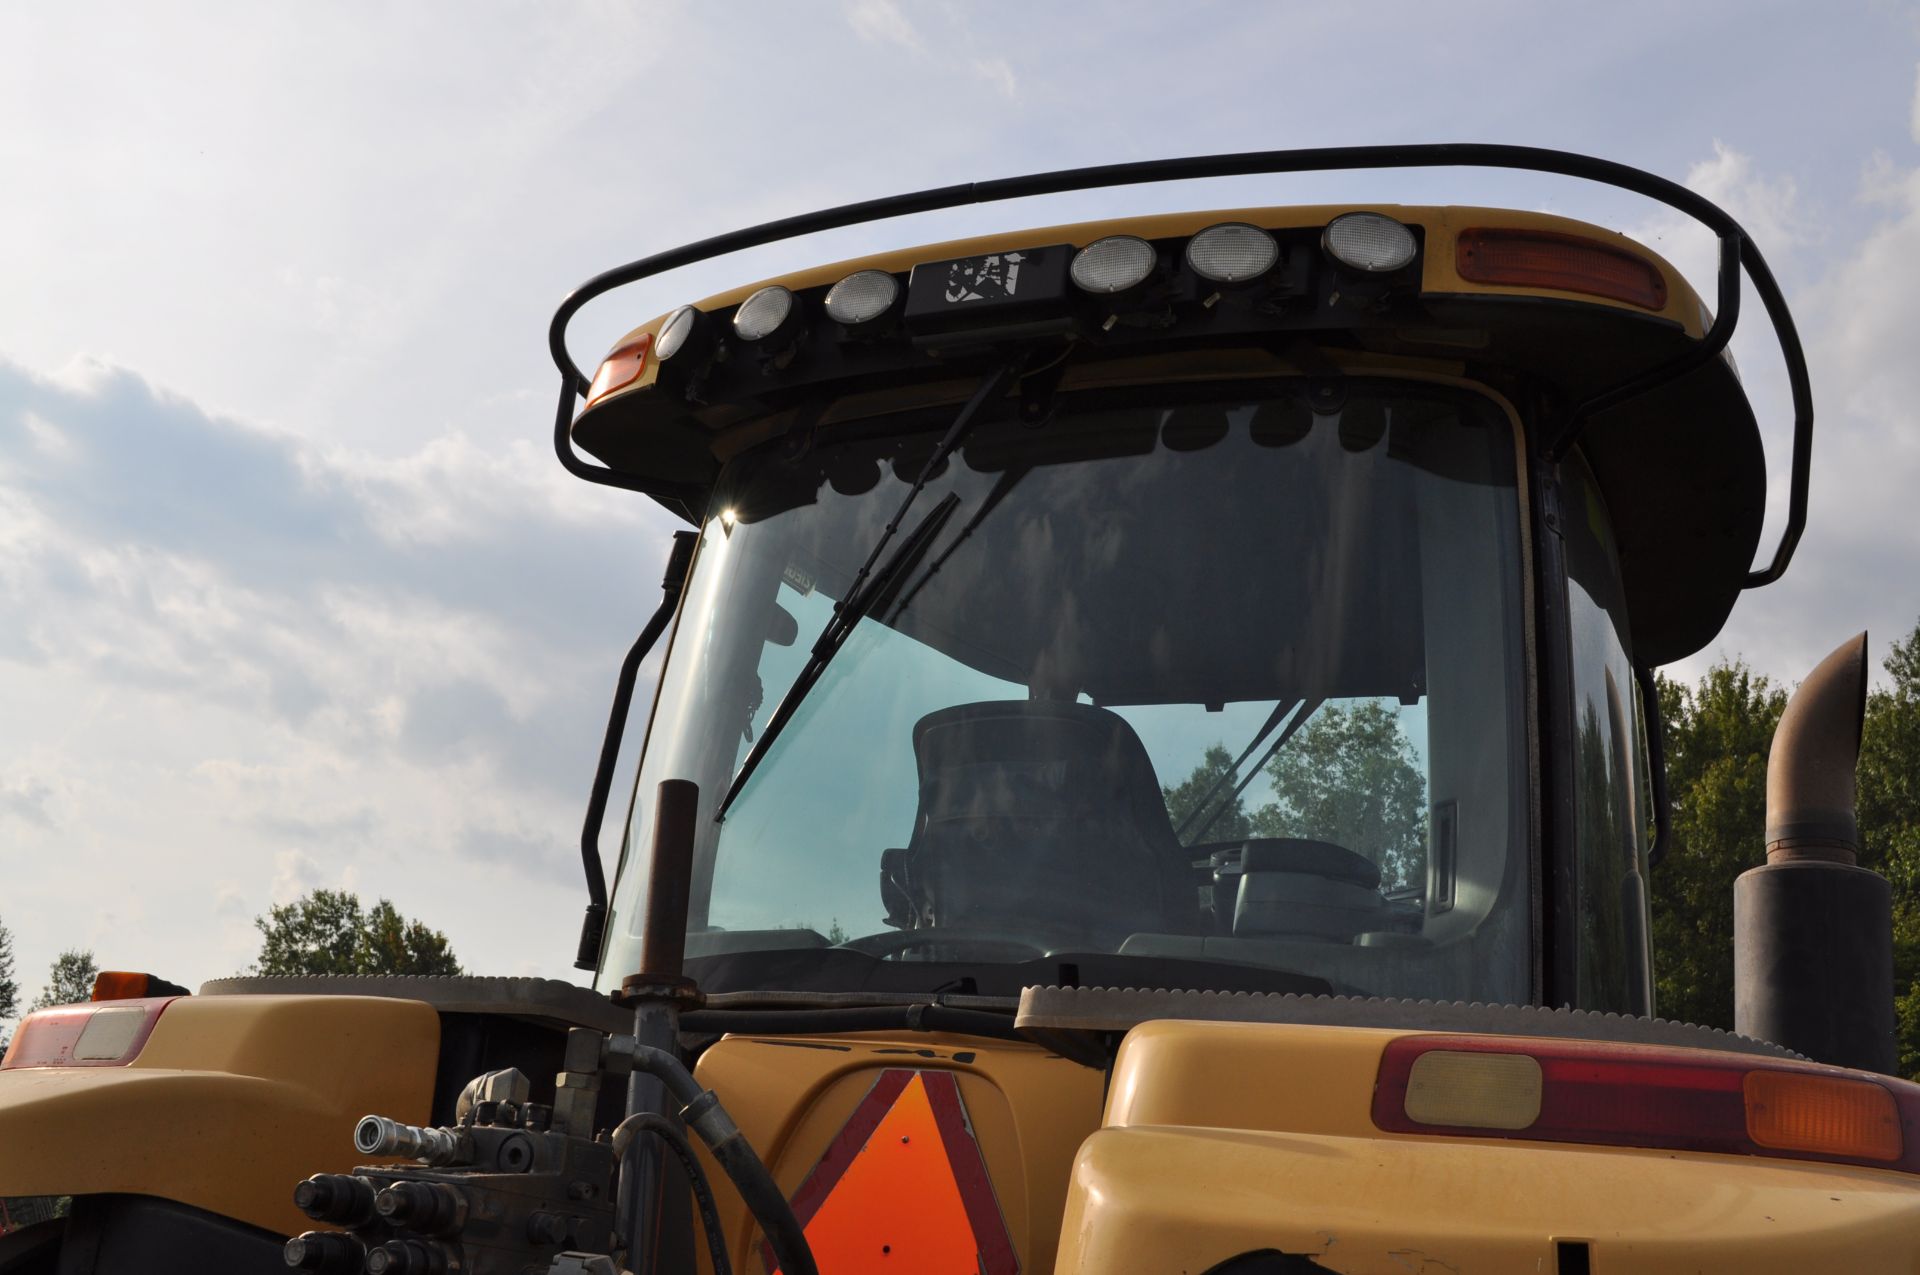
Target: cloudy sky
(293,594)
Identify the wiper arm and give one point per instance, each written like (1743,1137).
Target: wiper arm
(1280,710)
(1308,708)
(871,586)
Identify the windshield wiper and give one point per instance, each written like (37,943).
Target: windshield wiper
(1280,709)
(871,586)
(1308,708)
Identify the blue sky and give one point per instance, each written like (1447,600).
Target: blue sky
(293,592)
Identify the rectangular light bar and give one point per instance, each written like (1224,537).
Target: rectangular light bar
(1640,1096)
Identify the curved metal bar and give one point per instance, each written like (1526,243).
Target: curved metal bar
(1736,246)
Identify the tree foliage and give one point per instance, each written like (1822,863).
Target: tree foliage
(330,932)
(1889,809)
(9,985)
(1717,736)
(69,980)
(1349,776)
(1225,818)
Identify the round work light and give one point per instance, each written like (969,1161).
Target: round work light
(674,332)
(1113,264)
(1232,252)
(1370,242)
(761,314)
(862,295)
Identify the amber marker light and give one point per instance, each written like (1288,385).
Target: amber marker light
(119,985)
(1822,1115)
(1567,263)
(621,368)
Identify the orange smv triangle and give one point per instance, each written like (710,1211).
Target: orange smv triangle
(902,1190)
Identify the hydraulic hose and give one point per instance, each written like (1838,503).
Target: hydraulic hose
(764,1200)
(653,1122)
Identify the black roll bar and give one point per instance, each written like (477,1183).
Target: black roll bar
(1737,249)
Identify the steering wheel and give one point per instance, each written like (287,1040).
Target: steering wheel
(893,942)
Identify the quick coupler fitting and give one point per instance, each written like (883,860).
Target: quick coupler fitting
(432,1208)
(325,1252)
(338,1199)
(408,1257)
(377,1135)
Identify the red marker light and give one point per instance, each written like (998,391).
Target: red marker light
(1606,1094)
(1570,263)
(106,1034)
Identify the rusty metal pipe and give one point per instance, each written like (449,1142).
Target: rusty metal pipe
(1812,931)
(1810,770)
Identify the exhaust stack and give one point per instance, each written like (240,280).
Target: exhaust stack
(1813,931)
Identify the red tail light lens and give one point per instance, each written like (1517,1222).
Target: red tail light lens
(621,368)
(1638,1096)
(109,1034)
(1570,263)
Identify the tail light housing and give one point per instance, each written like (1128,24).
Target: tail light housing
(102,1034)
(1639,1096)
(1569,263)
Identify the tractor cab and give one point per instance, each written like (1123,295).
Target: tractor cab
(1255,600)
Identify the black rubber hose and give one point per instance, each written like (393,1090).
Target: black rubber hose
(744,1168)
(796,1022)
(653,1122)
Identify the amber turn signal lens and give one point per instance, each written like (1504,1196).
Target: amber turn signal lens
(1822,1115)
(119,985)
(1567,263)
(620,368)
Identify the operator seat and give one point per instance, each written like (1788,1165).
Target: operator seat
(1042,818)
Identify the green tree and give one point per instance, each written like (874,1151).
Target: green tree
(329,932)
(69,980)
(1351,777)
(1230,823)
(9,985)
(1889,808)
(1717,736)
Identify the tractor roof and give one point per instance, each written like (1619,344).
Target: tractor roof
(1594,338)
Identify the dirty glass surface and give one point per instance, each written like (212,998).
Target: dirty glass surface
(1211,688)
(1612,810)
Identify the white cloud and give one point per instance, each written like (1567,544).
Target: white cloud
(883,22)
(26,799)
(999,73)
(307,667)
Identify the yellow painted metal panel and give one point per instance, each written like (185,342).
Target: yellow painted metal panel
(1029,1110)
(1166,1199)
(233,1100)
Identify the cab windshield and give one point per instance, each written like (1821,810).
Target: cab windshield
(1196,688)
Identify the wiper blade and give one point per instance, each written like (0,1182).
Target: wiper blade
(1280,709)
(870,586)
(1308,707)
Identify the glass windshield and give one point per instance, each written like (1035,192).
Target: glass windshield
(1194,688)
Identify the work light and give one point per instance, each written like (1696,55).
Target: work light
(1232,252)
(1370,242)
(674,332)
(862,295)
(763,313)
(1113,264)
